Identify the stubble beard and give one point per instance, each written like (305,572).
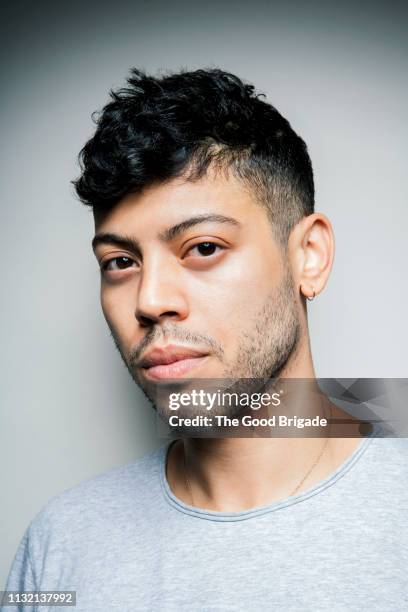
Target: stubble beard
(268,344)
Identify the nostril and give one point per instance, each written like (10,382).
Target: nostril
(146,322)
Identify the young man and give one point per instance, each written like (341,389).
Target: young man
(209,246)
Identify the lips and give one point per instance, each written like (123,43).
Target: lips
(171,361)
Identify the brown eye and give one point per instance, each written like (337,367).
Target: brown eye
(206,248)
(117,263)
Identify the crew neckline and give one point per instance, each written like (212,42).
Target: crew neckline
(215,515)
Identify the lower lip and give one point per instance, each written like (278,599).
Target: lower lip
(177,369)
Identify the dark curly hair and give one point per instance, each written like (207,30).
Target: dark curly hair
(158,128)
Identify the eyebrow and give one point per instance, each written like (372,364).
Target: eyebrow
(129,243)
(123,242)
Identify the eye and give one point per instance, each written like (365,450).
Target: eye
(117,263)
(205,249)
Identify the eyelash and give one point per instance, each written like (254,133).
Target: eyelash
(105,264)
(205,242)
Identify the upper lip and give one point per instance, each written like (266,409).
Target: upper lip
(168,354)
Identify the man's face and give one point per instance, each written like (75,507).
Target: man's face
(194,285)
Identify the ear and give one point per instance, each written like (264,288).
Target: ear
(311,251)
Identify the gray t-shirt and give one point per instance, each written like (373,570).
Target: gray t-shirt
(123,542)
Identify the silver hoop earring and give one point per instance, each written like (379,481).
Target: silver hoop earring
(313,296)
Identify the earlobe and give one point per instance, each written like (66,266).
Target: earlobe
(308,297)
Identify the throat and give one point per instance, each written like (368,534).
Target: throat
(234,475)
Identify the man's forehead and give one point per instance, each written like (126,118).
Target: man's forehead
(163,205)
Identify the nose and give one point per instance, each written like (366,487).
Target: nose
(161,295)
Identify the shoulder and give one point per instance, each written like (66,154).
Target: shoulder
(105,497)
(392,452)
(83,522)
(385,466)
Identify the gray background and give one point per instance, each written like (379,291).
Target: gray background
(338,73)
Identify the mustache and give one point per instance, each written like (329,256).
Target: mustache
(170,331)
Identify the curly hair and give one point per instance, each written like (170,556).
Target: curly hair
(180,124)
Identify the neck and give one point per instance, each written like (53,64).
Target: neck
(236,474)
(232,474)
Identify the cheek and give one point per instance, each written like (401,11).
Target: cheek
(233,298)
(119,314)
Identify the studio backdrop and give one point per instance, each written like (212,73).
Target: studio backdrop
(337,71)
